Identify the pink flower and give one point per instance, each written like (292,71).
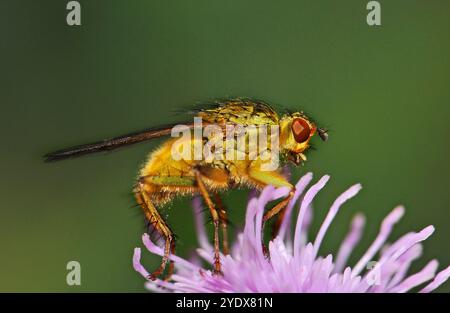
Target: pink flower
(293,264)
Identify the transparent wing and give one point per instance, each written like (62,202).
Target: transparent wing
(111,144)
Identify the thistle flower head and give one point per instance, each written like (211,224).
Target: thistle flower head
(292,263)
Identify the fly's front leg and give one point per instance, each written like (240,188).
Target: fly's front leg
(276,179)
(277,224)
(215,217)
(280,206)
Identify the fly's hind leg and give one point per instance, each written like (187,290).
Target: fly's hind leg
(171,184)
(154,218)
(189,185)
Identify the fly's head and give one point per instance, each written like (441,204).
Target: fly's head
(296,131)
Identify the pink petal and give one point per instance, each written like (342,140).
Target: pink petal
(385,230)
(348,194)
(299,188)
(440,278)
(138,267)
(349,243)
(412,281)
(309,196)
(159,251)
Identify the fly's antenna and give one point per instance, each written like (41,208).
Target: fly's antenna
(323,133)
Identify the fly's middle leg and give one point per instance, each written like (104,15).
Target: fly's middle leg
(223,216)
(216,220)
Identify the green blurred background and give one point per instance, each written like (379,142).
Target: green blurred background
(383,91)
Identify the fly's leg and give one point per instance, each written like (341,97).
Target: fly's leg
(215,218)
(223,222)
(153,216)
(171,263)
(194,184)
(277,224)
(219,179)
(274,178)
(279,208)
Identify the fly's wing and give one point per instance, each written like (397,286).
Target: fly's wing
(111,144)
(239,111)
(228,111)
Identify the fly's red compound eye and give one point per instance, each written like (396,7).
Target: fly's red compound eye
(301,130)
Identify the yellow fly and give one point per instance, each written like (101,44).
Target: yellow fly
(163,177)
